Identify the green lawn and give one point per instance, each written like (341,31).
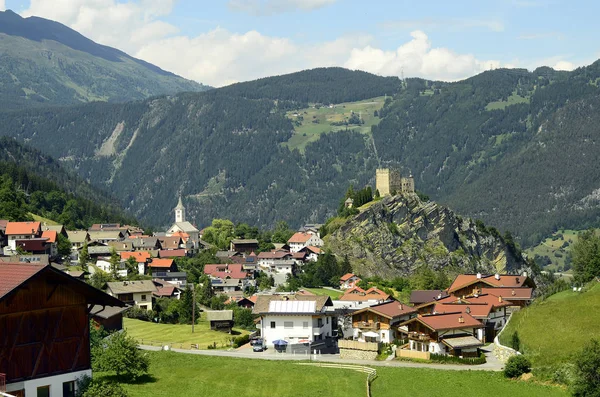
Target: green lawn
(182,375)
(513,99)
(324,291)
(308,131)
(552,330)
(415,382)
(151,333)
(38,218)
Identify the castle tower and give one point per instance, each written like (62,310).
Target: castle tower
(387,181)
(179,212)
(408,185)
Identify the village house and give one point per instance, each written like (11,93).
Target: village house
(301,240)
(518,296)
(166,289)
(349,280)
(171,243)
(136,293)
(178,279)
(105,236)
(77,238)
(244,246)
(48,349)
(162,265)
(378,323)
(184,229)
(276,261)
(372,295)
(294,318)
(103,263)
(469,284)
(180,253)
(312,253)
(51,237)
(457,334)
(141,257)
(109,317)
(145,243)
(59,229)
(121,246)
(34,246)
(22,231)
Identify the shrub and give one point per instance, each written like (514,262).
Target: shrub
(517,366)
(86,387)
(241,340)
(515,341)
(587,368)
(120,354)
(139,314)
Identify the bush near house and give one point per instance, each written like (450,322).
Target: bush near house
(517,366)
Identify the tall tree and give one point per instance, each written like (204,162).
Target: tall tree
(586,256)
(63,245)
(115,261)
(84,257)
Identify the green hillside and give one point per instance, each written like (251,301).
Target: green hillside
(45,63)
(475,146)
(552,330)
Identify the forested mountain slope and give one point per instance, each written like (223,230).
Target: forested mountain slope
(43,62)
(31,182)
(512,147)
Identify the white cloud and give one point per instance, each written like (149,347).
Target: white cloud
(270,7)
(2,5)
(124,25)
(418,58)
(564,65)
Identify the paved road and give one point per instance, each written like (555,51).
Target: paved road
(492,365)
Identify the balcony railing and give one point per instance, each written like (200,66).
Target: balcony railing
(418,336)
(368,325)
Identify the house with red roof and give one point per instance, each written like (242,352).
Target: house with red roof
(51,237)
(162,265)
(45,344)
(378,323)
(469,284)
(452,333)
(357,294)
(349,280)
(301,240)
(276,261)
(22,231)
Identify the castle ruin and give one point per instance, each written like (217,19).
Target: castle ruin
(389,181)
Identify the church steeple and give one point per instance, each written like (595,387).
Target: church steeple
(179,211)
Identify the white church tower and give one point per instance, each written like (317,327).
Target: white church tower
(179,212)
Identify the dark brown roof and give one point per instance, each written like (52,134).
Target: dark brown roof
(418,297)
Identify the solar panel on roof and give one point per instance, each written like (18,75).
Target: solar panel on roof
(292,306)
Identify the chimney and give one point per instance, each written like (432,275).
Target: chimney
(513,292)
(400,306)
(497,276)
(468,310)
(478,275)
(461,319)
(499,299)
(524,274)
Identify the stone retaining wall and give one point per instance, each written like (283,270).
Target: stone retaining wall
(358,354)
(501,352)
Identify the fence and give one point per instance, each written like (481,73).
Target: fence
(355,345)
(412,354)
(371,372)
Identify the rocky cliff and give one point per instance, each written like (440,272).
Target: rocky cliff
(398,234)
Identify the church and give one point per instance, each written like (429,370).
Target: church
(184,227)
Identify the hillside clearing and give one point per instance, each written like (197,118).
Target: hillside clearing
(325,291)
(178,335)
(557,248)
(310,123)
(551,331)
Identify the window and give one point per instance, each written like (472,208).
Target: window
(320,322)
(69,389)
(144,307)
(327,320)
(43,391)
(288,324)
(143,297)
(272,324)
(305,324)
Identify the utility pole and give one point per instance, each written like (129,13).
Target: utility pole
(193,307)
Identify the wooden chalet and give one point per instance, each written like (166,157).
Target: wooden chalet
(44,318)
(220,320)
(377,323)
(470,284)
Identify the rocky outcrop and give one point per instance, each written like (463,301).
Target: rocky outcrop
(398,234)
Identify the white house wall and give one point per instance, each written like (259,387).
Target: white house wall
(55,383)
(297,331)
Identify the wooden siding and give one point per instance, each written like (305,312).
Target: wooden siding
(44,331)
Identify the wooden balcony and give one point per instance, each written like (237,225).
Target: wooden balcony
(367,325)
(419,336)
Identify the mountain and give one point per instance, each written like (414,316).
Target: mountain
(513,148)
(43,62)
(399,234)
(31,182)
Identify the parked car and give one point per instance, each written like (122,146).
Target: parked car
(259,346)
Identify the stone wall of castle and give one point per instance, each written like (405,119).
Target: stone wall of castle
(388,181)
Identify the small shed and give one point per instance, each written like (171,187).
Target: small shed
(109,317)
(220,320)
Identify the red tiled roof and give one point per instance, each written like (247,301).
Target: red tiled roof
(165,291)
(358,294)
(313,249)
(504,280)
(273,255)
(300,238)
(347,276)
(161,263)
(390,309)
(253,298)
(231,270)
(304,292)
(14,274)
(480,310)
(16,228)
(171,253)
(50,235)
(299,255)
(444,321)
(140,256)
(510,293)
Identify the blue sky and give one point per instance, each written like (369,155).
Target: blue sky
(219,42)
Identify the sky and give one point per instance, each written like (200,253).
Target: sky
(220,42)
